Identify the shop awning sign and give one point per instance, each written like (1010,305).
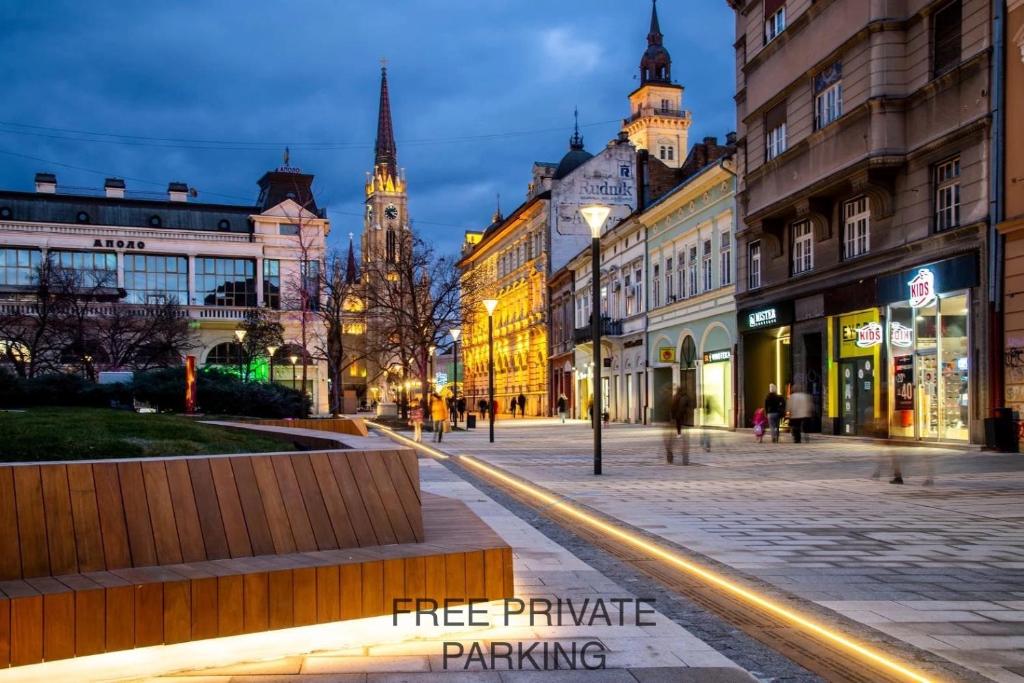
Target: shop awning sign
(666,354)
(901,336)
(719,356)
(767,317)
(922,288)
(868,335)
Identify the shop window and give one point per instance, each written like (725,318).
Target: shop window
(828,96)
(856,228)
(754,265)
(947,194)
(803,247)
(774,19)
(946,38)
(725,259)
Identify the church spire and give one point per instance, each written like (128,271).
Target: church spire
(654,37)
(351,274)
(656,64)
(576,141)
(386,150)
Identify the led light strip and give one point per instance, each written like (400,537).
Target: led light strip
(677,561)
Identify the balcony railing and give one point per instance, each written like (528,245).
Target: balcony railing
(99,310)
(609,328)
(658,111)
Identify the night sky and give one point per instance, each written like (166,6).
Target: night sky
(210,93)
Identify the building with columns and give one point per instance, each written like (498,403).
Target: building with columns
(217,261)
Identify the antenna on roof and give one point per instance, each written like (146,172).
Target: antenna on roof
(287,156)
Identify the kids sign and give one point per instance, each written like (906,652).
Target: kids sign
(922,288)
(869,335)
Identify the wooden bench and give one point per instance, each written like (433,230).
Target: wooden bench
(338,425)
(105,556)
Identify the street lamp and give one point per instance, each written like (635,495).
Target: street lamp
(596,215)
(240,336)
(271,350)
(432,375)
(490,305)
(294,359)
(455,332)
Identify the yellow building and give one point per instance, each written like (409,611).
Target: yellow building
(509,263)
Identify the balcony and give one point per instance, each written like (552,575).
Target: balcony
(16,308)
(658,111)
(609,328)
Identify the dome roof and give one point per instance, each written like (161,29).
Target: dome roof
(575,158)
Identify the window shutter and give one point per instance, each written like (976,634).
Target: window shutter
(775,117)
(772,6)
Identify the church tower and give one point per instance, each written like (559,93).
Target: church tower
(386,221)
(657,121)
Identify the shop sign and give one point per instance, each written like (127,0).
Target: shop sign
(768,317)
(922,288)
(717,356)
(900,335)
(869,335)
(440,379)
(666,354)
(118,244)
(765,317)
(903,382)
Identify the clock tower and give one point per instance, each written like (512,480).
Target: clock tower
(386,219)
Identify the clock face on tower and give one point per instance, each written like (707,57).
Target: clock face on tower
(391,211)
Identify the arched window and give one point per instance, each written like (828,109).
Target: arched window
(225,353)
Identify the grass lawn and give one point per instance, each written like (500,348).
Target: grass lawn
(85,433)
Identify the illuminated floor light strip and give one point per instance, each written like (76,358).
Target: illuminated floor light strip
(409,442)
(708,576)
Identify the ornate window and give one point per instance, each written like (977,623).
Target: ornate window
(754,265)
(725,259)
(947,194)
(828,96)
(803,247)
(856,228)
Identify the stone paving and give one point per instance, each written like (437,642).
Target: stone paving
(663,651)
(937,563)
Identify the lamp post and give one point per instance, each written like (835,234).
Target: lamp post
(455,332)
(431,368)
(490,305)
(294,360)
(271,350)
(596,215)
(240,336)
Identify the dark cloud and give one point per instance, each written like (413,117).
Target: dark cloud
(480,89)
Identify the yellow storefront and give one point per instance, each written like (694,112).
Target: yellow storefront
(856,343)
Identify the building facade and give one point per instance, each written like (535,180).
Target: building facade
(691,322)
(863,268)
(562,341)
(216,261)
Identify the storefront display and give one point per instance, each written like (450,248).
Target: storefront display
(856,355)
(766,335)
(716,387)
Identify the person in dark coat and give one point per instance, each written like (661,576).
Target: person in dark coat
(521,401)
(562,405)
(512,406)
(680,405)
(482,406)
(460,407)
(774,408)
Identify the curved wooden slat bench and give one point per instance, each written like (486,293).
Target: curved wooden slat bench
(104,556)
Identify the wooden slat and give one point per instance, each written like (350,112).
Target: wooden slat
(435,581)
(371,498)
(506,556)
(26,622)
(255,602)
(476,583)
(273,505)
(119,601)
(455,575)
(494,585)
(302,531)
(394,583)
(58,617)
(415,578)
(314,501)
(208,508)
(186,517)
(351,576)
(252,507)
(88,537)
(280,600)
(177,612)
(149,614)
(409,461)
(373,589)
(28,491)
(136,514)
(10,553)
(336,510)
(230,508)
(304,590)
(161,512)
(230,619)
(90,613)
(60,527)
(408,496)
(114,530)
(354,505)
(390,496)
(204,608)
(5,631)
(328,594)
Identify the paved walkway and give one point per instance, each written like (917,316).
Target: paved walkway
(939,565)
(660,652)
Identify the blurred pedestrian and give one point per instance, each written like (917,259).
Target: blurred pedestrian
(512,406)
(521,401)
(460,406)
(705,417)
(801,409)
(416,420)
(439,416)
(760,424)
(562,405)
(680,406)
(774,408)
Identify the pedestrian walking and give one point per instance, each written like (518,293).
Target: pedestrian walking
(801,410)
(774,408)
(416,420)
(521,401)
(460,406)
(590,411)
(482,406)
(760,423)
(439,416)
(512,406)
(562,405)
(680,406)
(705,416)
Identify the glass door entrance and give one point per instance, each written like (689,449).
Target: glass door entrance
(857,378)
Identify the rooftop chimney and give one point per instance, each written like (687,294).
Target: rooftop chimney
(730,138)
(46,183)
(711,141)
(114,187)
(177,192)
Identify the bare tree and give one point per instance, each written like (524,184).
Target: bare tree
(262,329)
(342,312)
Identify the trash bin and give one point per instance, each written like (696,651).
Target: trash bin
(471,421)
(1005,429)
